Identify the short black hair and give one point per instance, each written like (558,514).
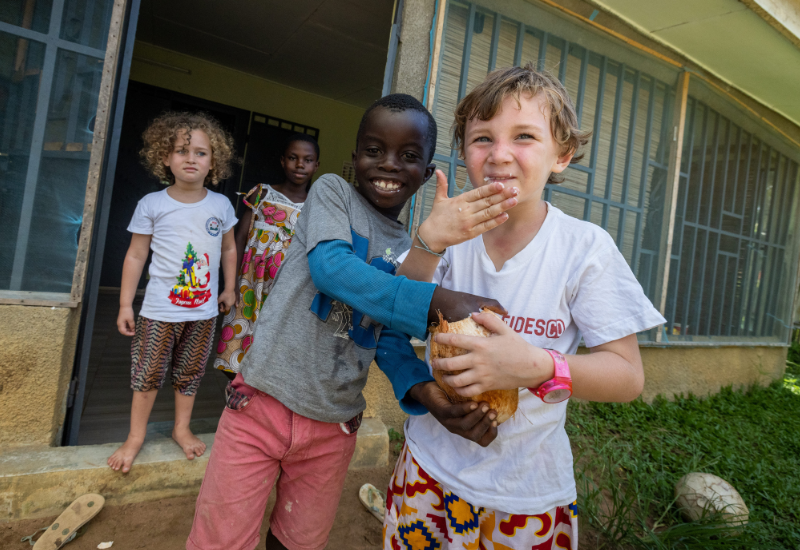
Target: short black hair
(399,103)
(297,136)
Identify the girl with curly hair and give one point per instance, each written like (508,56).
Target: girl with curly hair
(188,229)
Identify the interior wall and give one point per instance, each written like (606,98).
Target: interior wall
(337,121)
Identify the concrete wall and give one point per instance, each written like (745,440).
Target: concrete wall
(337,121)
(705,370)
(38,346)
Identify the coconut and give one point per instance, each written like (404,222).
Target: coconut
(698,494)
(503,401)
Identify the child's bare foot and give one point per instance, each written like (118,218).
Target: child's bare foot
(124,456)
(189,442)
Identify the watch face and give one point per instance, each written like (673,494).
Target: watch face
(557,396)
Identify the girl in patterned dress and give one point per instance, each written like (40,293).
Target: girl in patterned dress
(262,239)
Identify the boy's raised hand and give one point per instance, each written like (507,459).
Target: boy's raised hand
(455,306)
(503,361)
(473,421)
(459,219)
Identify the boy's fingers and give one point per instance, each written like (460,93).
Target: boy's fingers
(441,186)
(483,227)
(459,411)
(493,323)
(457,340)
(488,437)
(483,191)
(494,210)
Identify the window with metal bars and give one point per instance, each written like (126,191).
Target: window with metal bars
(731,273)
(620,182)
(732,266)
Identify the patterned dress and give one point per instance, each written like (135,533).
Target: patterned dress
(271,231)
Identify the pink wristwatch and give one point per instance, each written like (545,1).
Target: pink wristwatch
(558,388)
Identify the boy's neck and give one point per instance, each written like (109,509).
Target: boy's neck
(509,239)
(187,193)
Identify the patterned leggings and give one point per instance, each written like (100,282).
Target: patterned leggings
(157,343)
(423,515)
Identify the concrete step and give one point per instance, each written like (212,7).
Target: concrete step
(42,483)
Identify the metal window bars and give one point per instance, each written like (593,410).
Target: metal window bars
(723,281)
(731,269)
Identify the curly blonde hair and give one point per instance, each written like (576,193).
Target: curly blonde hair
(159,142)
(485,100)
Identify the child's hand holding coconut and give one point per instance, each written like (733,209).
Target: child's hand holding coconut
(492,368)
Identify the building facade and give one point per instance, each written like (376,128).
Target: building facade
(692,167)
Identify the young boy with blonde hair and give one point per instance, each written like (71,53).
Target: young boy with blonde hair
(560,279)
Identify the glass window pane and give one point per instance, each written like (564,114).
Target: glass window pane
(20,73)
(61,185)
(28,14)
(86,22)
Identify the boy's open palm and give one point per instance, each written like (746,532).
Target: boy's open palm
(502,361)
(461,218)
(473,421)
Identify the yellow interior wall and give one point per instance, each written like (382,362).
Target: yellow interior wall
(337,121)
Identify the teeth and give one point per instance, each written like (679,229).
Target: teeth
(386,185)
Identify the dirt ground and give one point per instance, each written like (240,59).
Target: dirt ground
(165,524)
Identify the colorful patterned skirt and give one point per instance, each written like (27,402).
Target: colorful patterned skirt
(269,238)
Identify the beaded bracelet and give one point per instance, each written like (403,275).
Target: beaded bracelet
(427,249)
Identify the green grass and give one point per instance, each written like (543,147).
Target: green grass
(629,457)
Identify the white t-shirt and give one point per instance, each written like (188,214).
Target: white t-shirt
(570,280)
(187,245)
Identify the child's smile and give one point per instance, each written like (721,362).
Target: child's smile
(515,147)
(391,160)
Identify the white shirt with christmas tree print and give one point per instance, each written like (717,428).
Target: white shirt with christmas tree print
(186,244)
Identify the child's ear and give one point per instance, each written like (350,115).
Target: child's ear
(563,161)
(283,162)
(429,171)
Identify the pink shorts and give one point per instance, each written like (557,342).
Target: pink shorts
(257,439)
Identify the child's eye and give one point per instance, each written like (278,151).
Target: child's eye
(201,153)
(372,150)
(482,139)
(525,136)
(410,156)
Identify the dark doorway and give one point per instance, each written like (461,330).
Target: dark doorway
(106,403)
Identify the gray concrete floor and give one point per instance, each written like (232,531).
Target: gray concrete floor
(107,399)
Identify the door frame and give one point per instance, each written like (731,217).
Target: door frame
(77,384)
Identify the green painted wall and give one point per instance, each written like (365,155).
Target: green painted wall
(337,121)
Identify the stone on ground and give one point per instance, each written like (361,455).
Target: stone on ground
(699,494)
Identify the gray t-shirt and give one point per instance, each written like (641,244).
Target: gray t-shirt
(309,351)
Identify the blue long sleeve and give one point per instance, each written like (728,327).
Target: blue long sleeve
(398,361)
(395,302)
